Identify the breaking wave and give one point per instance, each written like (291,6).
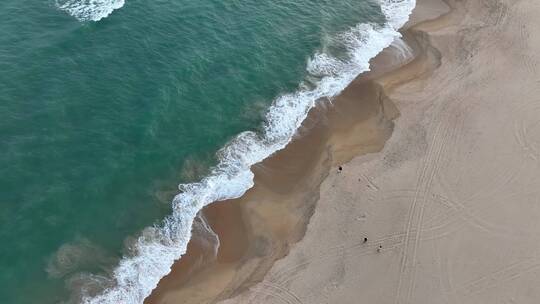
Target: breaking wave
(89,10)
(158,247)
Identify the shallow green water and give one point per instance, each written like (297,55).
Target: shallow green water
(99,121)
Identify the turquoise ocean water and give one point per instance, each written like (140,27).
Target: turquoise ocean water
(106,106)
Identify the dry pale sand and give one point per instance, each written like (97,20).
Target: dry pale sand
(453,198)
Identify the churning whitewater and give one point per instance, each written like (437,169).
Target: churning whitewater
(89,10)
(158,247)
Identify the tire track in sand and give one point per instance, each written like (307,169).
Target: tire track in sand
(276,291)
(275,288)
(528,122)
(505,274)
(358,248)
(442,136)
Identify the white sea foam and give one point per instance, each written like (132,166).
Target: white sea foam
(401,52)
(89,10)
(158,247)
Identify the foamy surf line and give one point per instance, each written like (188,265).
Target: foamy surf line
(159,247)
(89,10)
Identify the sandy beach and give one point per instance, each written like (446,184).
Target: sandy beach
(438,148)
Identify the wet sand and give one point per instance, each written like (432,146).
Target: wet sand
(449,204)
(259,228)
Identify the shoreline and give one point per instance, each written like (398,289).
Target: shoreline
(273,215)
(157,248)
(450,204)
(248,249)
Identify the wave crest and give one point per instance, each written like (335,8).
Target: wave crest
(89,10)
